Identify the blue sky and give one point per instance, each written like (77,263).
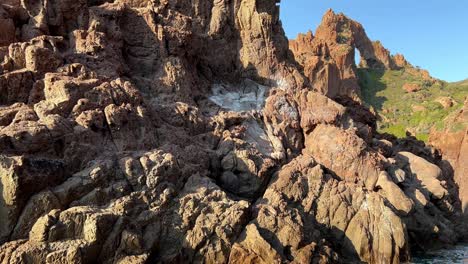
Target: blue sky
(432,34)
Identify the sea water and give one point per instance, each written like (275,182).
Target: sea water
(456,255)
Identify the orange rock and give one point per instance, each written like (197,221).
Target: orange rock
(113,150)
(411,87)
(400,60)
(454,149)
(328,57)
(446,102)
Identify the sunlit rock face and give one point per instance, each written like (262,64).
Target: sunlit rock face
(110,151)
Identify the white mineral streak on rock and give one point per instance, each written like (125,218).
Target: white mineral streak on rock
(257,136)
(249,95)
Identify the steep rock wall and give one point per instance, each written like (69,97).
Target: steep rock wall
(112,151)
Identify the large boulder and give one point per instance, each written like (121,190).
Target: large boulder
(345,154)
(428,174)
(394,194)
(316,109)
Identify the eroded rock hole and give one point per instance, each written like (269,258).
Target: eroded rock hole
(357,58)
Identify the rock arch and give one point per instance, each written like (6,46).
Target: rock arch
(328,57)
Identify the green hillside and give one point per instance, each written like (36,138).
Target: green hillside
(416,111)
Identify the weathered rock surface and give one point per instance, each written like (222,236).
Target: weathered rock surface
(328,145)
(428,174)
(113,148)
(328,57)
(304,204)
(453,146)
(411,87)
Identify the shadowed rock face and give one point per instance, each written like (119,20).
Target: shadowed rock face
(183,131)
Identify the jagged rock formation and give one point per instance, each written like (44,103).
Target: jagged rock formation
(113,149)
(328,57)
(454,148)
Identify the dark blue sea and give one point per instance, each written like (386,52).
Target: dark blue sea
(456,255)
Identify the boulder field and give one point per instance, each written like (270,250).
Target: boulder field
(174,131)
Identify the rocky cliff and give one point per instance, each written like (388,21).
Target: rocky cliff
(175,131)
(453,145)
(328,57)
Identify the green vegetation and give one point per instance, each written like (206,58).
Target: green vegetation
(416,112)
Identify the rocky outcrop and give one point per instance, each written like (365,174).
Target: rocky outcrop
(326,144)
(178,131)
(411,87)
(328,57)
(304,204)
(453,146)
